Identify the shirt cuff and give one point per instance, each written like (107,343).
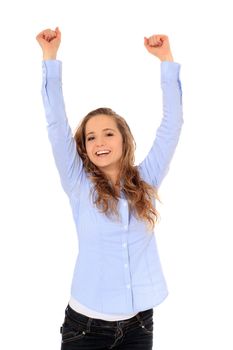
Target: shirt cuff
(170,70)
(52,68)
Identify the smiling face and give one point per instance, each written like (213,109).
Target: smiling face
(102,134)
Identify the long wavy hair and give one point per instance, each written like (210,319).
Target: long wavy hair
(138,192)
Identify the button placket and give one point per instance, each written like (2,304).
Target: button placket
(125,261)
(125,228)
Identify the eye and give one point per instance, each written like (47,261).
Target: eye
(92,137)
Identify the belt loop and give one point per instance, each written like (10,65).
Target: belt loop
(140,318)
(89,323)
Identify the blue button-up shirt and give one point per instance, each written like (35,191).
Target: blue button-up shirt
(118,268)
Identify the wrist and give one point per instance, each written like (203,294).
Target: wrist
(49,57)
(167,58)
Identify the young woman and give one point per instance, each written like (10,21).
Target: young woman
(117,278)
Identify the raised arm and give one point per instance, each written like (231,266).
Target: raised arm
(66,157)
(156,164)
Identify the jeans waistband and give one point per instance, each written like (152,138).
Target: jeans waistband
(76,316)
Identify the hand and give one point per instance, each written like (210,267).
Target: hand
(49,41)
(158,45)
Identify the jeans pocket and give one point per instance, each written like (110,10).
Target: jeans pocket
(71,330)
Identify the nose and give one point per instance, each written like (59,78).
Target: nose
(100,142)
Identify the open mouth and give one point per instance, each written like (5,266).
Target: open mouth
(102,153)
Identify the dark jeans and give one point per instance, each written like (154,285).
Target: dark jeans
(79,332)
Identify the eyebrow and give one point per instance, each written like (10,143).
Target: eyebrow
(92,132)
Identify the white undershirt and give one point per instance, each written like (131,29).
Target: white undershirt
(75,305)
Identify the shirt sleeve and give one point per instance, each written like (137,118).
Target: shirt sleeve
(156,164)
(67,159)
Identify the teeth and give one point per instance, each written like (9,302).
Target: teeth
(102,152)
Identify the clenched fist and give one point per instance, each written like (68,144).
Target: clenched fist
(49,41)
(158,45)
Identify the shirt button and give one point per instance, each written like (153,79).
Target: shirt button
(125,227)
(126,265)
(128,286)
(124,203)
(124,245)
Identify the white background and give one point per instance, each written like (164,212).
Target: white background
(106,64)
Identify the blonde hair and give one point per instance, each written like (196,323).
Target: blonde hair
(138,193)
